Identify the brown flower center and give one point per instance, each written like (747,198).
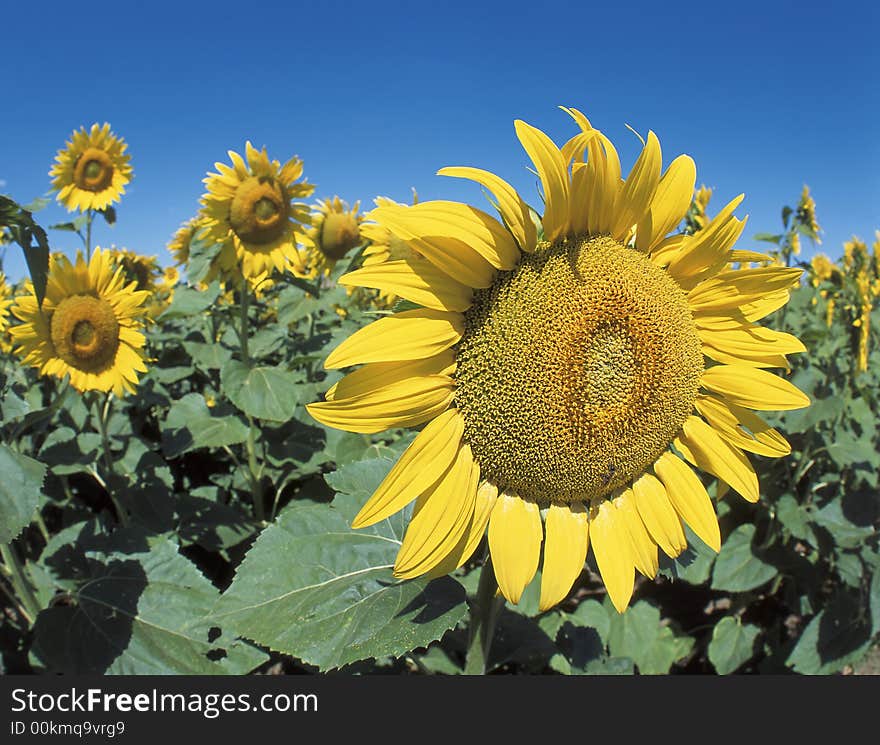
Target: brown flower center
(339,234)
(259,211)
(85,333)
(93,170)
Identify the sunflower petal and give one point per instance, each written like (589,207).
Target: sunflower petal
(410,335)
(553,173)
(706,449)
(487,493)
(515,535)
(565,551)
(689,498)
(514,211)
(613,552)
(644,548)
(440,519)
(742,427)
(658,515)
(670,203)
(379,374)
(426,459)
(639,188)
(416,280)
(754,388)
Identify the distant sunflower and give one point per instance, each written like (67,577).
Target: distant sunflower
(5,302)
(335,231)
(252,205)
(92,171)
(179,245)
(144,271)
(566,378)
(88,328)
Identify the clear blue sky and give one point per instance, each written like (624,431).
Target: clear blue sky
(375,97)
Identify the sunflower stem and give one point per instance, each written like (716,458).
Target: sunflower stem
(23,591)
(91,216)
(103,417)
(254,469)
(484,616)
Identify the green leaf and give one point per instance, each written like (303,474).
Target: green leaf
(786,214)
(189,301)
(795,518)
(190,425)
(768,237)
(638,635)
(837,636)
(737,568)
(313,588)
(269,393)
(845,533)
(20,487)
(109,215)
(732,645)
(141,610)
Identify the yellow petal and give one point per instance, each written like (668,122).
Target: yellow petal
(440,519)
(565,551)
(553,173)
(750,345)
(407,403)
(729,290)
(379,374)
(705,448)
(658,515)
(515,535)
(429,238)
(753,388)
(410,335)
(416,280)
(602,185)
(670,203)
(421,465)
(689,498)
(613,552)
(514,211)
(639,189)
(486,495)
(742,427)
(644,548)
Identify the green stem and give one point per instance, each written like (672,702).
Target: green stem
(91,215)
(250,445)
(484,616)
(20,584)
(103,416)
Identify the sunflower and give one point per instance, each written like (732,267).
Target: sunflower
(5,302)
(179,245)
(249,208)
(92,171)
(88,328)
(569,377)
(335,230)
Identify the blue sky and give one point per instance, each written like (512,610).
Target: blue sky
(375,97)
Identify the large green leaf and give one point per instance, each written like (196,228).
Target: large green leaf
(732,645)
(639,635)
(270,393)
(138,608)
(737,567)
(313,588)
(839,635)
(190,301)
(190,425)
(846,534)
(21,480)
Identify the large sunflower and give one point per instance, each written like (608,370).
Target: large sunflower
(88,328)
(92,171)
(251,204)
(574,374)
(335,230)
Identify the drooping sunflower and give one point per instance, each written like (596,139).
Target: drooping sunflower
(252,205)
(179,245)
(89,325)
(568,378)
(335,230)
(92,171)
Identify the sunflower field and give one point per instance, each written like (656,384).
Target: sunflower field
(433,438)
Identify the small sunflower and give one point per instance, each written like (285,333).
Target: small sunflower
(335,231)
(92,171)
(568,378)
(179,245)
(5,303)
(88,328)
(805,215)
(144,271)
(250,208)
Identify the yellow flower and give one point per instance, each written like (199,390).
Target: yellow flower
(566,378)
(829,312)
(144,271)
(170,277)
(796,244)
(179,245)
(334,232)
(5,302)
(250,208)
(805,214)
(89,326)
(822,269)
(92,171)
